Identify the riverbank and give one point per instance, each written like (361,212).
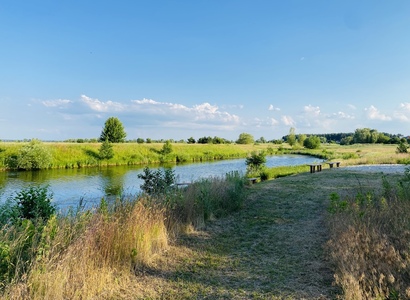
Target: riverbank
(81,155)
(272,248)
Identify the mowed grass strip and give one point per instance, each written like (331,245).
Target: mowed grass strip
(272,249)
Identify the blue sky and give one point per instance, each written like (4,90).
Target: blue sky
(176,69)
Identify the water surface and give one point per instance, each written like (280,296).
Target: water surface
(91,184)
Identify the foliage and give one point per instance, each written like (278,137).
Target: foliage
(402,147)
(157,182)
(312,142)
(32,203)
(106,151)
(113,131)
(166,148)
(191,140)
(291,139)
(255,162)
(33,156)
(245,138)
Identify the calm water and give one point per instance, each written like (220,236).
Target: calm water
(91,184)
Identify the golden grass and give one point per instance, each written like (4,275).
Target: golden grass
(99,261)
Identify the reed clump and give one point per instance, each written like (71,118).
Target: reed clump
(369,243)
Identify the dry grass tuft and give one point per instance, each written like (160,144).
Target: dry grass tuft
(369,245)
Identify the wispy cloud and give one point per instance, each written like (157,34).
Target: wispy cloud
(374,114)
(313,111)
(351,106)
(271,107)
(100,106)
(57,103)
(201,112)
(342,115)
(403,114)
(288,121)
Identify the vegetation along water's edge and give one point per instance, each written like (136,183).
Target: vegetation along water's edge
(43,155)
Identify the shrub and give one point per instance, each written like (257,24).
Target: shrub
(402,147)
(32,203)
(33,156)
(312,142)
(255,162)
(157,182)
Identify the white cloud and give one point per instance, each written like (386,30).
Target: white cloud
(342,115)
(351,106)
(56,103)
(273,122)
(374,114)
(404,112)
(165,111)
(405,106)
(271,107)
(100,106)
(288,121)
(313,111)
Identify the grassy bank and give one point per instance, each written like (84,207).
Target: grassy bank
(96,254)
(71,155)
(335,233)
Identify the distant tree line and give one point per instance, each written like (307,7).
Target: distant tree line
(360,136)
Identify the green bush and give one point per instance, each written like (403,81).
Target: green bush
(33,156)
(157,182)
(312,142)
(32,203)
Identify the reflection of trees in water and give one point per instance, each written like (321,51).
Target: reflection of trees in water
(113,182)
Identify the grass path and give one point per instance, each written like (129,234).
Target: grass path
(272,249)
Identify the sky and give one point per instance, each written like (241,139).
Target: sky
(192,68)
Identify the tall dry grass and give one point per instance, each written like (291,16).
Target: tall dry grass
(95,254)
(369,243)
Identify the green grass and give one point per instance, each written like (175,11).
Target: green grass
(72,155)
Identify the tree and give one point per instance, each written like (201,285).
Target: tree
(312,142)
(106,151)
(255,161)
(245,138)
(113,131)
(301,139)
(191,140)
(291,137)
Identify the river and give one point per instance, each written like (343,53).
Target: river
(91,184)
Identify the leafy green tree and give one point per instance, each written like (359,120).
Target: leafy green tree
(33,156)
(301,139)
(191,140)
(312,142)
(291,139)
(106,151)
(113,131)
(245,138)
